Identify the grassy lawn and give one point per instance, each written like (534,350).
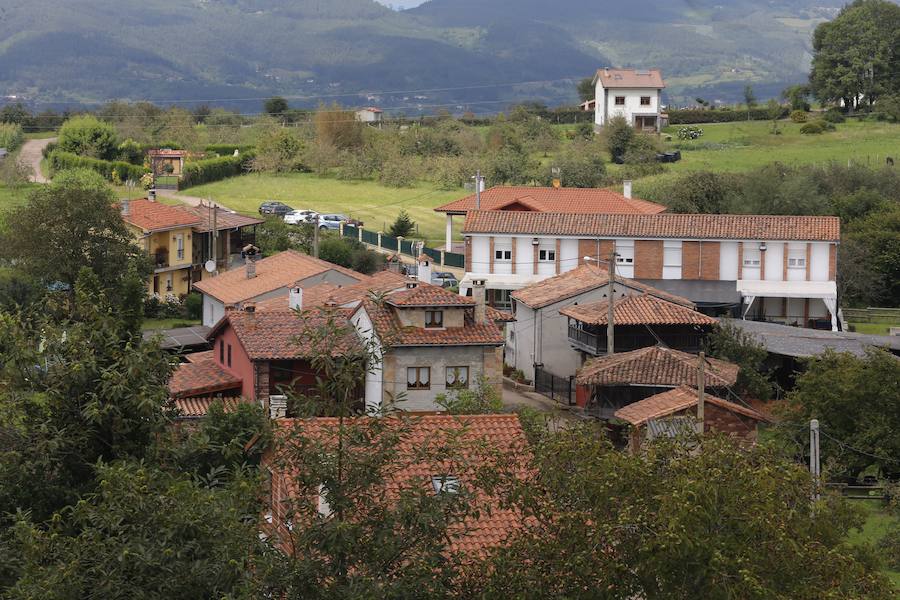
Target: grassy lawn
(12,198)
(746,145)
(876,526)
(371,202)
(40,135)
(873,328)
(152,324)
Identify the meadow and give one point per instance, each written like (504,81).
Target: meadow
(875,527)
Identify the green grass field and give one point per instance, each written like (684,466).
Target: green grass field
(371,202)
(876,526)
(12,198)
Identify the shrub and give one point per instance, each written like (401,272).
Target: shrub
(799,116)
(397,172)
(48,149)
(812,128)
(692,116)
(193,305)
(11,136)
(689,133)
(131,152)
(833,115)
(403,226)
(62,161)
(88,136)
(214,169)
(227,149)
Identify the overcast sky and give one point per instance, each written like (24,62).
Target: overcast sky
(400,4)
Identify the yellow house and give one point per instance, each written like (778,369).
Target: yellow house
(165,233)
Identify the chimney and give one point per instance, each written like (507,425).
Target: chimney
(126,207)
(423,274)
(411,285)
(626,188)
(295,298)
(277,406)
(393,263)
(478,294)
(251,269)
(249,307)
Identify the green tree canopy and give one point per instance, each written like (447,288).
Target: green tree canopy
(88,136)
(276,106)
(586,89)
(855,56)
(403,225)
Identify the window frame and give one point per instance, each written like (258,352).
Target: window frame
(616,100)
(179,246)
(547,255)
(418,385)
(798,259)
(503,255)
(221,352)
(456,369)
(748,261)
(229,355)
(672,249)
(434,323)
(648,99)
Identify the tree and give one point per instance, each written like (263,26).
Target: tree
(337,127)
(619,137)
(581,165)
(481,399)
(274,236)
(727,342)
(276,107)
(403,225)
(88,136)
(684,518)
(749,97)
(350,253)
(855,55)
(586,89)
(69,225)
(797,96)
(145,533)
(278,152)
(510,166)
(857,402)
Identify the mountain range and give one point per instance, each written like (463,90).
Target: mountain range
(472,55)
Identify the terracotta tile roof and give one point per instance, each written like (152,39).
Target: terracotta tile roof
(388,327)
(425,294)
(654,366)
(201,376)
(319,295)
(556,200)
(630,78)
(167,152)
(678,226)
(277,271)
(156,216)
(479,438)
(225,219)
(499,316)
(641,309)
(283,334)
(195,408)
(579,280)
(674,401)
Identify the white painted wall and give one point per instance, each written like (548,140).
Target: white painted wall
(672,259)
(547,267)
(524,255)
(625,249)
(213,310)
(728,261)
(375,376)
(568,255)
(774,261)
(632,103)
(796,251)
(749,272)
(504,244)
(819,262)
(481,249)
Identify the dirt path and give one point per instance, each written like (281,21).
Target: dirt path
(32,155)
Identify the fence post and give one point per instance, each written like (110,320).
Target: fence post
(341,228)
(359,233)
(379,239)
(399,244)
(442,258)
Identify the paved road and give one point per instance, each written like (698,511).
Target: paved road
(31,155)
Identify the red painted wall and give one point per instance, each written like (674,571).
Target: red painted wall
(241,365)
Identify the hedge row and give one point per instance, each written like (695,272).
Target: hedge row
(214,169)
(223,149)
(692,116)
(11,136)
(60,161)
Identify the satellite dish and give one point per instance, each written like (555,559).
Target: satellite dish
(210,266)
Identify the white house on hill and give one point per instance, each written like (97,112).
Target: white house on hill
(630,93)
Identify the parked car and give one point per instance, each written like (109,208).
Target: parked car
(299,217)
(444,279)
(332,221)
(273,207)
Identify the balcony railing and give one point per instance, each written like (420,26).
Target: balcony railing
(595,343)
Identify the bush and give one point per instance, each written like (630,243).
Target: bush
(403,226)
(692,116)
(11,136)
(48,149)
(397,172)
(214,169)
(799,116)
(228,149)
(689,133)
(63,161)
(812,128)
(88,136)
(193,305)
(833,115)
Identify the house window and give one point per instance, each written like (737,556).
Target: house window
(457,377)
(418,378)
(229,355)
(221,352)
(168,283)
(445,484)
(672,254)
(796,258)
(179,244)
(645,100)
(751,258)
(503,255)
(620,100)
(434,318)
(547,255)
(624,252)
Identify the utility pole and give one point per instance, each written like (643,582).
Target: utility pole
(215,235)
(701,393)
(610,316)
(316,237)
(478,180)
(815,467)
